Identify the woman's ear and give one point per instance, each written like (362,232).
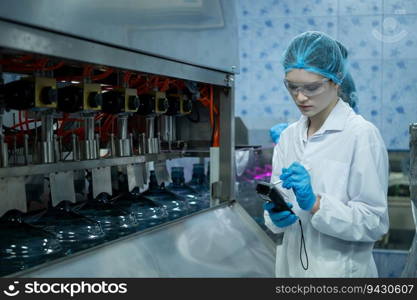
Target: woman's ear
(336,86)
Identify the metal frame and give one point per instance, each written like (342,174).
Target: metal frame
(109,243)
(410,269)
(252,225)
(255,226)
(85,164)
(227,141)
(29,39)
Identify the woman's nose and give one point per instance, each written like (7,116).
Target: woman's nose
(300,97)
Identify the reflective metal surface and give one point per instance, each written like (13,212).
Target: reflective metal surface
(47,139)
(413,163)
(222,242)
(135,176)
(101,181)
(123,147)
(161,172)
(90,145)
(79,165)
(62,187)
(4,157)
(163,27)
(227,143)
(30,39)
(12,194)
(215,183)
(410,269)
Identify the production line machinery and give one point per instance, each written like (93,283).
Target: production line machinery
(82,139)
(96,99)
(83,164)
(61,119)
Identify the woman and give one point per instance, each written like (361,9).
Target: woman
(331,167)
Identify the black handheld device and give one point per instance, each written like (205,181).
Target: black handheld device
(270,193)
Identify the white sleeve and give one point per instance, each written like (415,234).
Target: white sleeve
(277,165)
(364,217)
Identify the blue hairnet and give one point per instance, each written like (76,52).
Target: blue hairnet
(347,91)
(317,52)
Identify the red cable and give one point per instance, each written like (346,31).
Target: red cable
(63,121)
(216,134)
(165,85)
(54,67)
(126,77)
(211,107)
(103,75)
(87,71)
(20,124)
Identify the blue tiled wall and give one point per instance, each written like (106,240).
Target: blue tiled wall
(380,35)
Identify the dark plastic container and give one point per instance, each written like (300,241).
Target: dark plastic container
(23,245)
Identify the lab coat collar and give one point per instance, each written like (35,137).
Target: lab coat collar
(336,120)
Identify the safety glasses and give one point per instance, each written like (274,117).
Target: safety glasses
(307,89)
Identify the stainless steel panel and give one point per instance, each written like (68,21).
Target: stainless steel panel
(101,181)
(62,187)
(85,164)
(413,163)
(146,173)
(12,194)
(410,269)
(221,242)
(215,185)
(134,176)
(400,213)
(160,27)
(4,155)
(161,172)
(227,143)
(30,39)
(123,147)
(241,132)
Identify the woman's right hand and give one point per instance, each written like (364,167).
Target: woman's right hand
(280,219)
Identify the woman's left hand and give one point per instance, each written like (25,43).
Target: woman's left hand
(298,178)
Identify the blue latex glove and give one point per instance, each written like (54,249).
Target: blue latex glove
(280,219)
(298,178)
(275,131)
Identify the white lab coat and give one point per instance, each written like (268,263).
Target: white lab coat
(348,164)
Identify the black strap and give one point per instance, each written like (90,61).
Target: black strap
(303,245)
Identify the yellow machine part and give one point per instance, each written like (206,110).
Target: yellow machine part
(40,84)
(88,89)
(129,93)
(159,96)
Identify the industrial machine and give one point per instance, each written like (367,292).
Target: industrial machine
(410,269)
(95,98)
